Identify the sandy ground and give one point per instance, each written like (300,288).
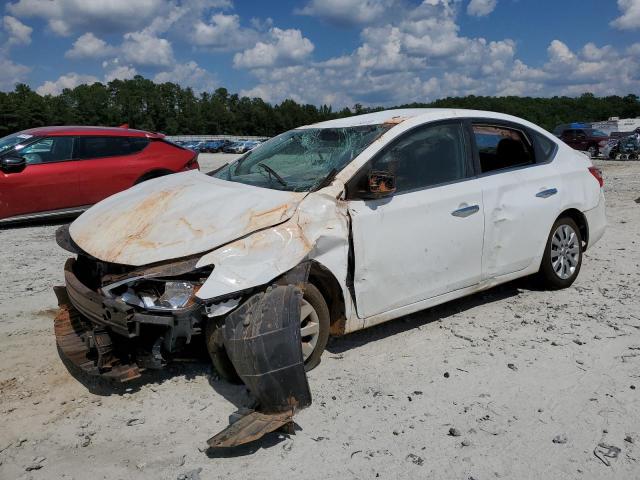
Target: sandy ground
(510,383)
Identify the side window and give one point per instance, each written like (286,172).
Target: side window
(48,150)
(100,147)
(137,144)
(546,148)
(425,157)
(500,148)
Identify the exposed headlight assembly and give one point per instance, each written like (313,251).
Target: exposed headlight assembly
(155,294)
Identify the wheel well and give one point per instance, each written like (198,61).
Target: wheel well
(324,281)
(152,174)
(578,217)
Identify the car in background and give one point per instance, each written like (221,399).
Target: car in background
(214,146)
(242,146)
(585,139)
(56,171)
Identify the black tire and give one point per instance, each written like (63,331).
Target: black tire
(218,354)
(317,301)
(547,275)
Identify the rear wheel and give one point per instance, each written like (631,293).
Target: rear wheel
(593,151)
(562,257)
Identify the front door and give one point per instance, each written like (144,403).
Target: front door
(49,182)
(426,239)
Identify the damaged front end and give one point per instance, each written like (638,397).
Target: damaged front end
(116,321)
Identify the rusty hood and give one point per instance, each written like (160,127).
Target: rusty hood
(177,216)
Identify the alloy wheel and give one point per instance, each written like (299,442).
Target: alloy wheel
(565,251)
(309,328)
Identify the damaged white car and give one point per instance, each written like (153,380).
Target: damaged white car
(323,230)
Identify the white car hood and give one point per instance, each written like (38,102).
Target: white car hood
(177,216)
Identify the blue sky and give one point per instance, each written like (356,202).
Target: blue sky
(339,52)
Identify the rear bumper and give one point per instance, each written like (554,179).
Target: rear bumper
(596,221)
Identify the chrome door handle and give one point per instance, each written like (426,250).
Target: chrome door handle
(547,193)
(466,211)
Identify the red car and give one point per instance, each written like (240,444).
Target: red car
(53,171)
(585,139)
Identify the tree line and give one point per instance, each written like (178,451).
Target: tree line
(175,110)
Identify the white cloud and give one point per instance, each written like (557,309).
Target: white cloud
(349,12)
(17,32)
(11,73)
(283,47)
(423,56)
(116,71)
(145,49)
(223,32)
(188,74)
(481,8)
(70,80)
(65,17)
(630,18)
(89,46)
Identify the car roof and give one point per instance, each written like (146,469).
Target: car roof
(90,131)
(397,116)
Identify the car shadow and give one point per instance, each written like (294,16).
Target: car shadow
(338,345)
(44,222)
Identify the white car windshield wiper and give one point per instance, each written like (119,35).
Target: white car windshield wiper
(275,174)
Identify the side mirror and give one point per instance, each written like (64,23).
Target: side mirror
(380,184)
(13,163)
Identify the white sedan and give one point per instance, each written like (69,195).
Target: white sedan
(335,227)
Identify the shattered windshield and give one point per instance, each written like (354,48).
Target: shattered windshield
(301,160)
(10,141)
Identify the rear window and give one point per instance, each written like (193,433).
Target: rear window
(101,147)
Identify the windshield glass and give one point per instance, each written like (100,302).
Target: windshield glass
(10,141)
(299,160)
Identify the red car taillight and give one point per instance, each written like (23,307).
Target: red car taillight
(597,174)
(192,164)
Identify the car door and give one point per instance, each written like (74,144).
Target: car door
(48,182)
(106,166)
(520,194)
(426,239)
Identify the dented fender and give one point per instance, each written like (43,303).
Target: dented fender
(319,230)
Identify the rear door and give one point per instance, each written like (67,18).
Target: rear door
(521,193)
(49,182)
(107,165)
(426,239)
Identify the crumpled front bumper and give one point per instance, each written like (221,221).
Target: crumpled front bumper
(261,337)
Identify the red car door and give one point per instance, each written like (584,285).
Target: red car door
(106,166)
(49,181)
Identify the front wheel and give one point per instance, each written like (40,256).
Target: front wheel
(562,257)
(314,326)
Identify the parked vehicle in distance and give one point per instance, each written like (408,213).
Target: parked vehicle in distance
(214,146)
(585,139)
(242,146)
(55,171)
(325,229)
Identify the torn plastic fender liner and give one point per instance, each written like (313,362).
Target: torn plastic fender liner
(262,339)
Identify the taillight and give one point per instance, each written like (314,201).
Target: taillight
(597,174)
(192,164)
